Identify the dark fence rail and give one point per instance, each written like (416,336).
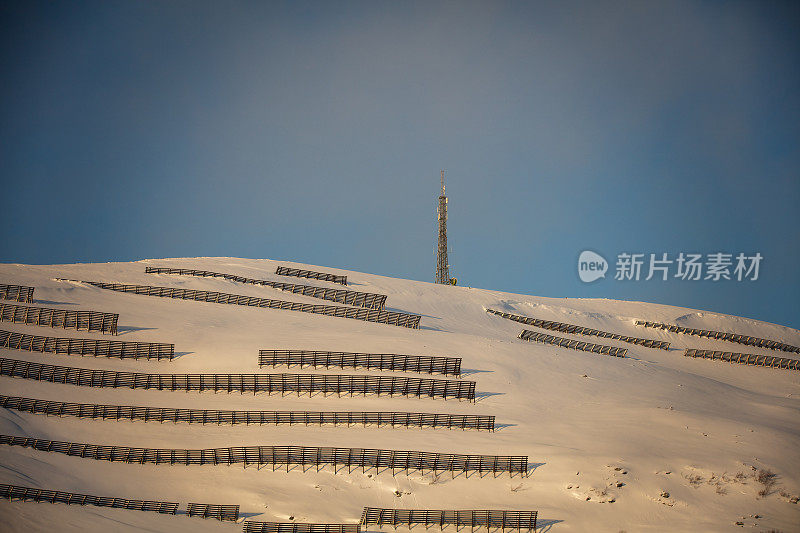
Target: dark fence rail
(297,272)
(380,361)
(60,318)
(295,527)
(269,383)
(204,416)
(342,296)
(579,330)
(20,293)
(719,335)
(396,460)
(16,492)
(745,359)
(370,315)
(463,518)
(219,512)
(94,347)
(528,335)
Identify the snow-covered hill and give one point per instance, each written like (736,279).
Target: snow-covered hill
(652,442)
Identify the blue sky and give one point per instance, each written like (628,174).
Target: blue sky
(315,132)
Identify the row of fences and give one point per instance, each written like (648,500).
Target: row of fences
(310,274)
(229,513)
(380,361)
(371,516)
(93,347)
(202,510)
(19,293)
(298,527)
(499,519)
(251,383)
(364,458)
(533,336)
(381,316)
(60,318)
(745,359)
(719,335)
(28,494)
(342,296)
(206,416)
(579,330)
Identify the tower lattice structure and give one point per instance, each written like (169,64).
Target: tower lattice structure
(442,266)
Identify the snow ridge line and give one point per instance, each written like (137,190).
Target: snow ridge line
(366,458)
(300,383)
(342,296)
(381,316)
(215,416)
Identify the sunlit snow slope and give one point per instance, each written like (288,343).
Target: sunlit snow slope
(608,438)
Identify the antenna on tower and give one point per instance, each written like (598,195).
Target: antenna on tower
(442,266)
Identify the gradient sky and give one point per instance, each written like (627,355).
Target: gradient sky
(315,132)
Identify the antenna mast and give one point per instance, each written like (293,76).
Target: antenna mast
(442,266)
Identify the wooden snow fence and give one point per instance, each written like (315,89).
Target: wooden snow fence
(498,519)
(719,335)
(225,513)
(579,330)
(27,494)
(60,318)
(381,316)
(379,361)
(745,359)
(342,296)
(93,347)
(270,383)
(299,527)
(533,336)
(206,416)
(19,293)
(304,456)
(300,273)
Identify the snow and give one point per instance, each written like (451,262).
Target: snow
(588,422)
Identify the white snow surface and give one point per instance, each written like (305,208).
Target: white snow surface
(655,422)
